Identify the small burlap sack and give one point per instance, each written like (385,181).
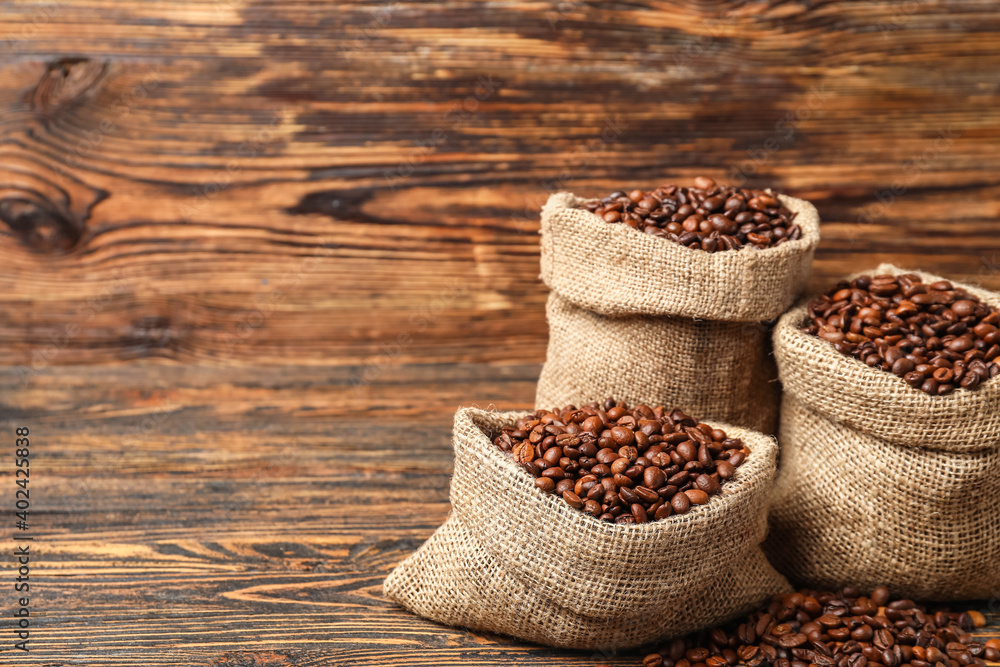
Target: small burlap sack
(646,320)
(879,482)
(515,561)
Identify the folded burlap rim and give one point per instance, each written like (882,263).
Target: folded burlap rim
(613,269)
(879,403)
(578,547)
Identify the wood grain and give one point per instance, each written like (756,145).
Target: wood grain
(188,515)
(178,165)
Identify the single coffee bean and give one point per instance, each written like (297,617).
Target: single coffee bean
(565,485)
(696,496)
(639,512)
(654,477)
(680,503)
(792,639)
(707,484)
(628,496)
(622,436)
(646,495)
(663,511)
(572,499)
(545,484)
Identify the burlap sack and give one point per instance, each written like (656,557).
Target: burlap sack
(879,482)
(515,561)
(646,320)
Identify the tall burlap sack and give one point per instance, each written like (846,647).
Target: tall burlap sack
(646,320)
(515,561)
(880,483)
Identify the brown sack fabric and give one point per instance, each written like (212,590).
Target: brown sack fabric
(647,320)
(515,561)
(881,483)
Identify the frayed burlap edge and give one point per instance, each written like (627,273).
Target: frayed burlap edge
(876,402)
(590,584)
(613,269)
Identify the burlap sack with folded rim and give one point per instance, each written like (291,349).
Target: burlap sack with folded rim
(880,483)
(515,561)
(646,320)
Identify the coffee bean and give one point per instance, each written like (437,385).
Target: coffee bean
(646,494)
(654,477)
(696,496)
(725,469)
(687,450)
(639,512)
(545,484)
(884,639)
(695,655)
(792,640)
(707,484)
(916,331)
(630,454)
(710,218)
(663,511)
(622,436)
(572,499)
(680,503)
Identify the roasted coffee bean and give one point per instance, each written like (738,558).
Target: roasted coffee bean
(572,499)
(696,496)
(837,629)
(602,459)
(545,484)
(880,596)
(680,503)
(706,217)
(937,337)
(654,477)
(646,495)
(663,511)
(725,469)
(707,483)
(792,639)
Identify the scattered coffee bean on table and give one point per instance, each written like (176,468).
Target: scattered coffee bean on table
(706,216)
(621,464)
(836,629)
(935,336)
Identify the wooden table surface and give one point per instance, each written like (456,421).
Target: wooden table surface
(256,254)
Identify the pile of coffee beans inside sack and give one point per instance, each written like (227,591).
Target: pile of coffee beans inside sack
(707,216)
(935,336)
(621,464)
(837,629)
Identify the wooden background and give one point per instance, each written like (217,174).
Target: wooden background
(255,254)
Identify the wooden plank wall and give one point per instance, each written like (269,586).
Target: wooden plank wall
(302,182)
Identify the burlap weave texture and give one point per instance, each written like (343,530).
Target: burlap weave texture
(513,560)
(879,482)
(646,320)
